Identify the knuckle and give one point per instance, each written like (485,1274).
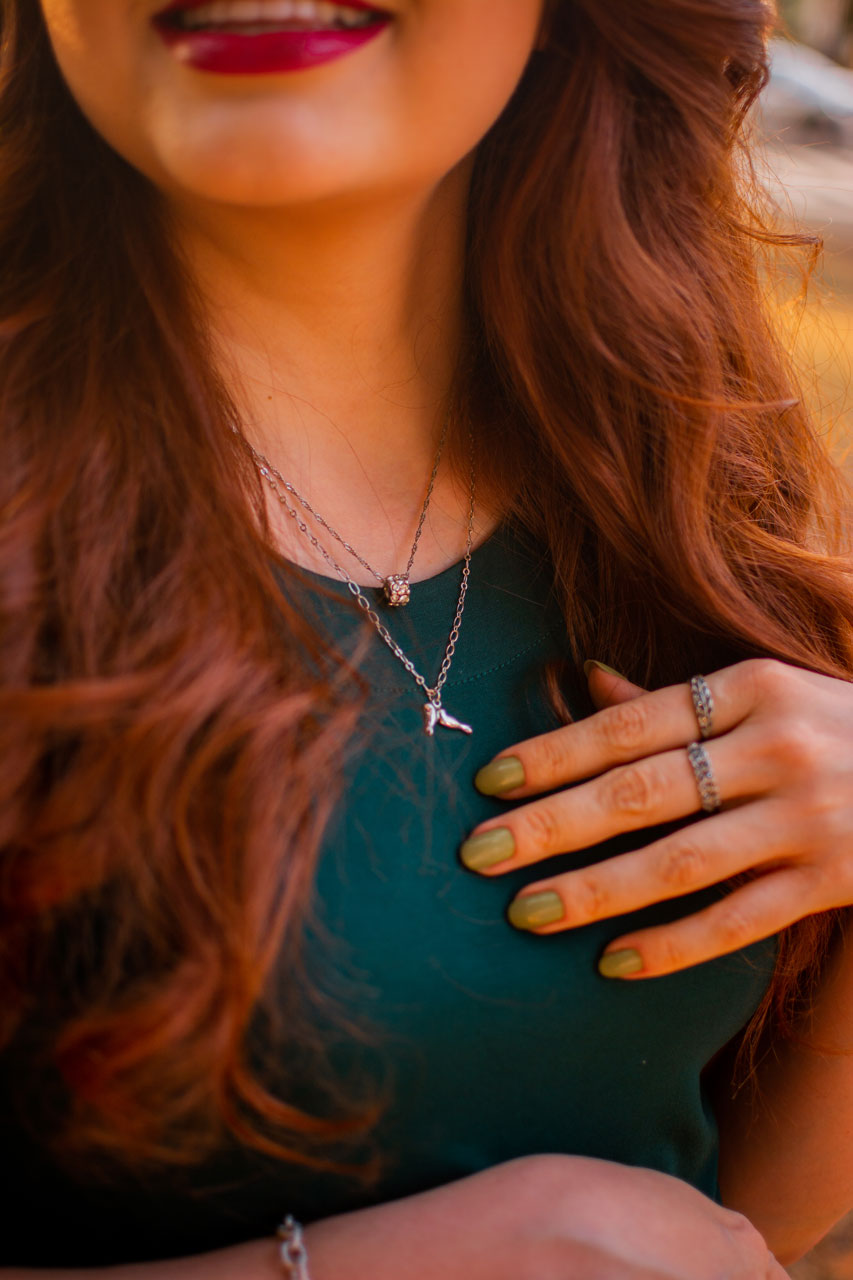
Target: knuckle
(590,898)
(550,755)
(739,1226)
(827,828)
(797,748)
(817,880)
(670,952)
(734,925)
(817,829)
(823,882)
(624,727)
(635,791)
(746,1238)
(539,828)
(683,864)
(769,678)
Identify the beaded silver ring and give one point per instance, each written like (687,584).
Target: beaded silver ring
(703,703)
(706,782)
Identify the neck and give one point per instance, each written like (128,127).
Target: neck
(338,331)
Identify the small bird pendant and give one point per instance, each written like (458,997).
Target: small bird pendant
(434,713)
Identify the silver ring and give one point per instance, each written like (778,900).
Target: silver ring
(703,704)
(709,792)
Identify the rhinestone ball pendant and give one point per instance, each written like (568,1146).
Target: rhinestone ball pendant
(397,590)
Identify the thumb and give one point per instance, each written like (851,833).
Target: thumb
(607,687)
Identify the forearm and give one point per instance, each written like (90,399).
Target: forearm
(786,1151)
(470,1230)
(549,1216)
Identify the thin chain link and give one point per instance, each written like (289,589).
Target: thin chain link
(261,461)
(427,499)
(433,692)
(292,1252)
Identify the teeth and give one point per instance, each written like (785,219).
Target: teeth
(249,13)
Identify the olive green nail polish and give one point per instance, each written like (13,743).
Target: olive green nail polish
(602,666)
(500,776)
(536,909)
(620,964)
(488,849)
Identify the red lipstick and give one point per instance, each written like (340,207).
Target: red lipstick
(285,38)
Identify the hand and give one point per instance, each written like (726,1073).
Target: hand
(545,1218)
(782,755)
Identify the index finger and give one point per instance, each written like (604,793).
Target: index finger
(644,726)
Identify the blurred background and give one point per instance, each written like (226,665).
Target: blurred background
(807,126)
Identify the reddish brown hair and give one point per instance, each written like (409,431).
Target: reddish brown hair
(152,667)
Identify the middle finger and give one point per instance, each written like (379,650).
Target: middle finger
(647,793)
(643,726)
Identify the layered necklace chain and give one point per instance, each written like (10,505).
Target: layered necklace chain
(396,587)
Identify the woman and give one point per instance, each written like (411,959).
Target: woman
(459,297)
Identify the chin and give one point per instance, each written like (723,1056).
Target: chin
(244,184)
(251,157)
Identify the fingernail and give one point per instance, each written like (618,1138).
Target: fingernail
(500,776)
(488,849)
(620,964)
(601,666)
(536,909)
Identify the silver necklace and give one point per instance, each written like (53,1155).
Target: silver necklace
(396,587)
(434,712)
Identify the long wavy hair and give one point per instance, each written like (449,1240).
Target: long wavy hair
(166,713)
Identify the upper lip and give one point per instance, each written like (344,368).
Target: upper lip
(177,5)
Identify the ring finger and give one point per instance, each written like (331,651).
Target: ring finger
(682,863)
(660,789)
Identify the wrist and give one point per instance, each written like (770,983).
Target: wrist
(293,1250)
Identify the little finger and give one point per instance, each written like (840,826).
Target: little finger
(776,899)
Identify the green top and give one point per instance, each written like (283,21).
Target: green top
(489,1043)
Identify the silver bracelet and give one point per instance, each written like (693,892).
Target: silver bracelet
(292,1251)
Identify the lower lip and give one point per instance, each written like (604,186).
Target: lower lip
(227,53)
